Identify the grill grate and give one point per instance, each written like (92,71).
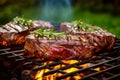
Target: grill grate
(106,66)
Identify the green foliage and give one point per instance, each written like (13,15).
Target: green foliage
(12,8)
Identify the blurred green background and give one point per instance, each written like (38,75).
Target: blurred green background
(104,13)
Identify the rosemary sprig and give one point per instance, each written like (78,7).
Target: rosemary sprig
(23,22)
(48,33)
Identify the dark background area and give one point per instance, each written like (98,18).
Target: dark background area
(104,13)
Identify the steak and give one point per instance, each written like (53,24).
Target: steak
(78,43)
(57,49)
(101,39)
(12,33)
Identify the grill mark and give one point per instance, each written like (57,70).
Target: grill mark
(111,42)
(97,40)
(80,40)
(103,43)
(78,50)
(89,39)
(13,27)
(92,40)
(4,27)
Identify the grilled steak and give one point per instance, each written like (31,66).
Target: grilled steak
(57,49)
(13,33)
(78,43)
(90,34)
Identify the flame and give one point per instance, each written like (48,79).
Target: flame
(85,65)
(40,73)
(88,65)
(97,69)
(69,61)
(70,70)
(77,77)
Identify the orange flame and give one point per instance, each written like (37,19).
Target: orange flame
(85,65)
(39,74)
(70,61)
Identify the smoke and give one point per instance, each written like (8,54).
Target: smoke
(55,10)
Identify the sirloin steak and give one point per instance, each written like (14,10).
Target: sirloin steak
(80,42)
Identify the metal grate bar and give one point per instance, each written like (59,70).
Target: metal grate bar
(114,77)
(13,54)
(63,68)
(33,62)
(16,55)
(10,52)
(46,66)
(93,78)
(102,71)
(111,74)
(4,49)
(109,65)
(93,66)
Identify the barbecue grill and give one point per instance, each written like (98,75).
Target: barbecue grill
(17,65)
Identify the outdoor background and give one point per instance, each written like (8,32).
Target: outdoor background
(104,13)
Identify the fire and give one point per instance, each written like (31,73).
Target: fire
(97,69)
(85,65)
(70,61)
(71,70)
(40,73)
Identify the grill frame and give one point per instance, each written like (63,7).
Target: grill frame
(17,55)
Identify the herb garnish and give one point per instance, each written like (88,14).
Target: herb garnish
(80,25)
(48,33)
(23,22)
